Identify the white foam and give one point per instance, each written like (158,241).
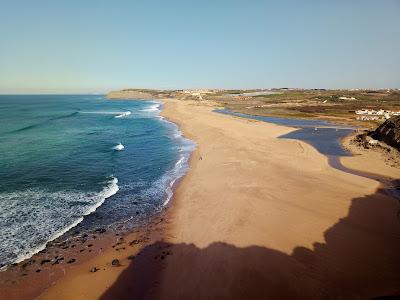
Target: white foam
(123,115)
(182,165)
(43,246)
(48,216)
(119,147)
(153,108)
(107,192)
(180,169)
(104,112)
(180,161)
(166,183)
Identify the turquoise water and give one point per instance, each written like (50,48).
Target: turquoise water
(60,168)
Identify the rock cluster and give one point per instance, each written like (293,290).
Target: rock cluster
(389,132)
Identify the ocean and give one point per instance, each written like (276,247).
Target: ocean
(82,162)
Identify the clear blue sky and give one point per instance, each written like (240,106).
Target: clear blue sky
(95,46)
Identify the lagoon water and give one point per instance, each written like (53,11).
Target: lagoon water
(81,160)
(322,135)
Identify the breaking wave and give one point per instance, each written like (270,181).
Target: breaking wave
(27,229)
(124,114)
(155,107)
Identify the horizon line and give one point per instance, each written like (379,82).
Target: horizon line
(177,89)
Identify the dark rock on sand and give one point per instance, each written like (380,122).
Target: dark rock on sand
(134,242)
(100,230)
(44,261)
(28,263)
(115,262)
(389,132)
(94,269)
(58,260)
(38,270)
(72,260)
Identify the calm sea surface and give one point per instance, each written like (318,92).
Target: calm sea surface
(61,165)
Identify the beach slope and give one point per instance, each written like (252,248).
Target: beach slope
(259,217)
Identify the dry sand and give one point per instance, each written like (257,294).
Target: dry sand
(369,160)
(257,216)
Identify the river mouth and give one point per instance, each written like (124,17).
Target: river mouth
(322,135)
(326,137)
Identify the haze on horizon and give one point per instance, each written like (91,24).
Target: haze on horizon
(96,46)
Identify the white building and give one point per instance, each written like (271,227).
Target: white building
(347,98)
(379,113)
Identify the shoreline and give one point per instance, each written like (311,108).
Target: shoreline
(32,276)
(223,209)
(247,219)
(183,230)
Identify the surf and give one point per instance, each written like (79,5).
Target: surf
(155,107)
(123,115)
(119,147)
(56,178)
(20,242)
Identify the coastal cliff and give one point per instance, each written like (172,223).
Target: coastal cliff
(389,132)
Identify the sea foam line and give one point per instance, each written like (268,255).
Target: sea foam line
(182,164)
(111,189)
(155,107)
(124,114)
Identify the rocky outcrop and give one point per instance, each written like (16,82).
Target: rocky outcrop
(389,132)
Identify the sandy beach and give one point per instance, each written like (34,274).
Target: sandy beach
(259,216)
(255,217)
(199,150)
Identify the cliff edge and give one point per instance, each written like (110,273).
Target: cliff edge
(389,132)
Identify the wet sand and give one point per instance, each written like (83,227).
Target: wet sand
(76,261)
(255,217)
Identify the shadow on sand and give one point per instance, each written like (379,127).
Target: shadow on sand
(359,260)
